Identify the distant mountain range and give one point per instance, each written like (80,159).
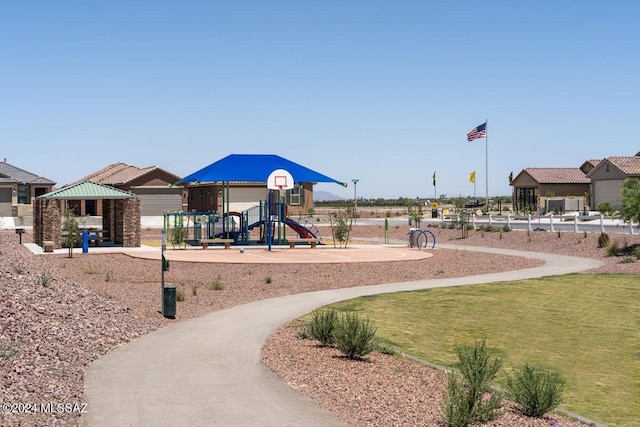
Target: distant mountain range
(325,196)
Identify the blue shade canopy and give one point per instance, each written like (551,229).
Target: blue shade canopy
(253,168)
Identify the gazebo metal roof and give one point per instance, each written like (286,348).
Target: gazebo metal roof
(88,190)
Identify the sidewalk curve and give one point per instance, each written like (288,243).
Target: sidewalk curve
(207,371)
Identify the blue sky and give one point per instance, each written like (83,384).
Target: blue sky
(381,91)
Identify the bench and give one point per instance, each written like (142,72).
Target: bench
(206,242)
(310,240)
(95,239)
(47,245)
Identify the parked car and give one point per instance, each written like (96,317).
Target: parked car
(473,204)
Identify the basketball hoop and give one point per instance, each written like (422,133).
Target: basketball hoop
(280,180)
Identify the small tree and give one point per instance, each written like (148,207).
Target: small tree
(341,223)
(630,199)
(415,212)
(71,230)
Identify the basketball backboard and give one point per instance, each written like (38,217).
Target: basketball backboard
(280,179)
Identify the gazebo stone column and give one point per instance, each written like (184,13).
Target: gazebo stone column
(127,222)
(48,222)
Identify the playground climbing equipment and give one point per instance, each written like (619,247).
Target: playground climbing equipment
(419,238)
(191,227)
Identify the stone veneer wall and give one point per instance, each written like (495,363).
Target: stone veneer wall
(108,219)
(47,222)
(127,223)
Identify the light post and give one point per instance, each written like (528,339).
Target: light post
(355,200)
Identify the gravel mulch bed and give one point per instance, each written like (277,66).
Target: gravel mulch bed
(58,314)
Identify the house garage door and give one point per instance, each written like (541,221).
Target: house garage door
(155,200)
(607,191)
(241,199)
(5,202)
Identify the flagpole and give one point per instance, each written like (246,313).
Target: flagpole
(486,161)
(435,192)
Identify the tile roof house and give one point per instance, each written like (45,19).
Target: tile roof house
(535,188)
(153,185)
(607,178)
(19,188)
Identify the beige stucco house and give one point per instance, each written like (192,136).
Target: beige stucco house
(549,189)
(18,190)
(607,178)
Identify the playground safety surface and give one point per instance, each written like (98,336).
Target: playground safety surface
(284,255)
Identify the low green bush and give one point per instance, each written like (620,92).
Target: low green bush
(535,390)
(354,335)
(468,397)
(322,325)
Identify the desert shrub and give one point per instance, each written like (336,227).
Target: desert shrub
(636,252)
(6,350)
(17,268)
(194,290)
(535,390)
(267,280)
(108,276)
(179,295)
(217,285)
(603,240)
(468,398)
(322,325)
(44,278)
(613,248)
(604,208)
(354,335)
(506,228)
(304,334)
(90,269)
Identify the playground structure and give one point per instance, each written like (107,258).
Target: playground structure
(260,224)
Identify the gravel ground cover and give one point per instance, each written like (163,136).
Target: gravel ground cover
(58,314)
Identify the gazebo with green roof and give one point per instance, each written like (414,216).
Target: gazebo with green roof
(120,213)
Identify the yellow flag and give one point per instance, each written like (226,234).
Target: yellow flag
(472,177)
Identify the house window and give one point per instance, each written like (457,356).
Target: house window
(295,196)
(23,195)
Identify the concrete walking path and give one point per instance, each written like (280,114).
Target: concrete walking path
(207,371)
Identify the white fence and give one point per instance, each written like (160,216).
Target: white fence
(551,222)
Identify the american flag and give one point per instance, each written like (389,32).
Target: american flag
(477,132)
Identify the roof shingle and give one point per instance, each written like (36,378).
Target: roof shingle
(558,175)
(630,165)
(11,173)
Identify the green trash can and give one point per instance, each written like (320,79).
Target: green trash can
(169,301)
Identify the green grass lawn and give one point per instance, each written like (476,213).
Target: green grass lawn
(587,327)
